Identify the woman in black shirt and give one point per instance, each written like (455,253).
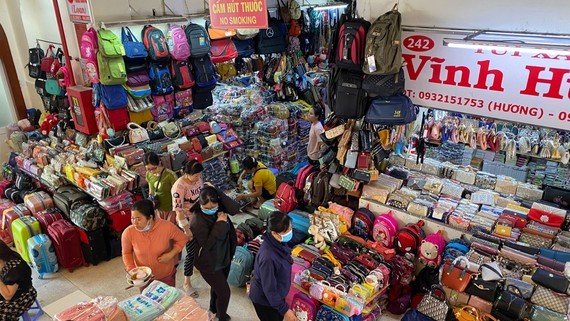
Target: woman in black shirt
(16,291)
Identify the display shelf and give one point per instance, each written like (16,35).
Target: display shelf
(37,178)
(215,156)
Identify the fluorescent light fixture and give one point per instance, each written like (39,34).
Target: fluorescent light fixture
(331,6)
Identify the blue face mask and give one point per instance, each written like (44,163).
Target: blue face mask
(146,228)
(210,211)
(287,237)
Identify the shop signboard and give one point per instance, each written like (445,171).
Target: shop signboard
(531,88)
(79,11)
(238,14)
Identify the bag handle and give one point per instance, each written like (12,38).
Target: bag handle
(152,125)
(471,310)
(136,126)
(517,291)
(438,287)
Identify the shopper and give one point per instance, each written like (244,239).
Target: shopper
(160,181)
(262,186)
(185,193)
(315,141)
(17,294)
(272,277)
(215,244)
(153,242)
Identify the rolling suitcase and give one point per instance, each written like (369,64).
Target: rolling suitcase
(42,254)
(119,221)
(12,214)
(24,228)
(93,246)
(5,230)
(68,195)
(38,201)
(266,209)
(47,217)
(113,241)
(300,221)
(65,238)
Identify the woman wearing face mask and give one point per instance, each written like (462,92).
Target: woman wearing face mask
(160,181)
(215,247)
(153,242)
(272,277)
(185,193)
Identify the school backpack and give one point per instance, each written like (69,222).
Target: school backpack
(88,216)
(350,47)
(110,61)
(163,107)
(362,223)
(327,313)
(272,39)
(302,176)
(155,43)
(89,44)
(321,190)
(198,39)
(244,234)
(305,307)
(256,225)
(34,62)
(177,43)
(384,42)
(114,96)
(241,267)
(348,96)
(181,72)
(455,248)
(160,79)
(204,74)
(384,229)
(223,50)
(409,238)
(285,199)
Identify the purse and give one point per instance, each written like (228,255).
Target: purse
(538,313)
(551,280)
(467,313)
(550,299)
(137,134)
(491,271)
(511,304)
(551,263)
(524,287)
(481,304)
(556,255)
(434,306)
(455,277)
(486,290)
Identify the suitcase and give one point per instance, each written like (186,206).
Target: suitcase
(47,217)
(65,239)
(42,255)
(93,246)
(285,178)
(68,195)
(14,194)
(116,203)
(6,230)
(113,240)
(24,228)
(38,201)
(300,221)
(266,209)
(12,214)
(119,221)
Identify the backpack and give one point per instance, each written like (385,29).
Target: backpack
(349,99)
(183,100)
(109,44)
(177,43)
(384,229)
(241,267)
(302,176)
(134,49)
(34,62)
(409,238)
(272,39)
(160,79)
(350,48)
(362,223)
(327,313)
(384,41)
(155,43)
(203,71)
(256,225)
(305,307)
(181,74)
(245,48)
(111,70)
(113,96)
(88,216)
(384,85)
(223,50)
(89,44)
(399,299)
(321,191)
(202,97)
(455,248)
(244,233)
(285,199)
(198,39)
(163,107)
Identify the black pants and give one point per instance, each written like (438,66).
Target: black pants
(189,260)
(265,313)
(219,292)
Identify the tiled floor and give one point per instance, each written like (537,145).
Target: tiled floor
(108,278)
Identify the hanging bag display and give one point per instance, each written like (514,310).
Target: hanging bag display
(134,49)
(395,110)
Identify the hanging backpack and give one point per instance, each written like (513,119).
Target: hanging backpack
(202,97)
(204,73)
(109,44)
(223,50)
(384,43)
(384,229)
(348,97)
(89,44)
(34,62)
(111,70)
(245,48)
(321,191)
(177,43)
(155,43)
(241,267)
(184,99)
(294,9)
(198,39)
(350,47)
(384,85)
(362,223)
(114,96)
(272,39)
(160,79)
(285,199)
(409,238)
(134,49)
(163,107)
(181,72)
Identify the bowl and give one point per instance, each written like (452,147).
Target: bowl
(139,276)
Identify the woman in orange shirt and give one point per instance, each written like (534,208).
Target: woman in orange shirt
(149,242)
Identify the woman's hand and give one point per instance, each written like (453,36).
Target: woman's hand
(222,217)
(240,197)
(209,184)
(290,316)
(188,233)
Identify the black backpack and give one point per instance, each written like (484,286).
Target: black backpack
(348,96)
(34,62)
(204,73)
(256,225)
(160,79)
(272,39)
(155,43)
(202,97)
(198,39)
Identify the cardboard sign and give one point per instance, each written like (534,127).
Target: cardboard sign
(530,88)
(79,11)
(238,14)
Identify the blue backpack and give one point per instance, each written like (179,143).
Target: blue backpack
(245,48)
(133,48)
(113,96)
(204,74)
(242,265)
(160,79)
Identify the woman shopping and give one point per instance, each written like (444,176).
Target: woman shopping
(17,293)
(160,181)
(315,141)
(263,184)
(272,276)
(215,247)
(153,242)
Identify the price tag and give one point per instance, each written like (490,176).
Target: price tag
(371,64)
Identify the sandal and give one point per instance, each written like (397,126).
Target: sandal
(191,292)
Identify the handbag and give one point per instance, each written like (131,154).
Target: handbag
(394,110)
(434,306)
(491,271)
(479,303)
(551,263)
(114,142)
(486,290)
(133,48)
(556,255)
(137,134)
(551,280)
(538,313)
(467,313)
(455,277)
(524,287)
(550,299)
(154,131)
(510,303)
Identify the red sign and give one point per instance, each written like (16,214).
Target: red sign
(79,11)
(238,14)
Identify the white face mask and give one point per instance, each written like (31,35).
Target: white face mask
(144,229)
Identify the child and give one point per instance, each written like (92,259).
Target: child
(315,141)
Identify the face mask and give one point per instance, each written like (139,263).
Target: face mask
(287,237)
(211,211)
(146,228)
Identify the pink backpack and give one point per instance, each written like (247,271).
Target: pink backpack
(184,98)
(298,266)
(177,43)
(385,228)
(344,212)
(163,107)
(89,45)
(305,307)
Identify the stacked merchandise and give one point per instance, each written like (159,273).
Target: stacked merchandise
(451,152)
(303,131)
(271,141)
(216,172)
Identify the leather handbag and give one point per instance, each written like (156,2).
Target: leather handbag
(486,290)
(154,131)
(434,306)
(551,263)
(511,303)
(454,276)
(114,142)
(551,280)
(137,134)
(467,313)
(538,313)
(550,299)
(491,271)
(526,289)
(481,304)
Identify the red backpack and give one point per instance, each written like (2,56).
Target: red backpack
(155,43)
(409,238)
(223,50)
(350,48)
(285,199)
(302,176)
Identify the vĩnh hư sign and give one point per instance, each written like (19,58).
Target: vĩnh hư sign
(531,88)
(79,11)
(238,14)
